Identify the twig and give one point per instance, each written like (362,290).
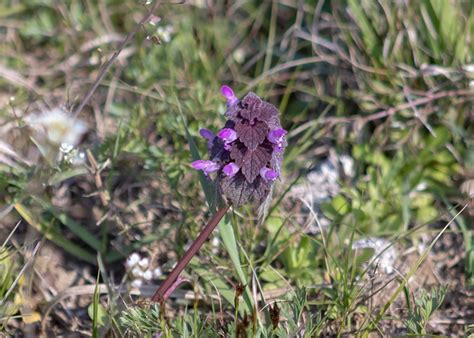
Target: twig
(109,63)
(412,104)
(193,249)
(95,170)
(288,65)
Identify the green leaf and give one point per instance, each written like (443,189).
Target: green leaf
(227,234)
(340,204)
(54,236)
(220,284)
(78,230)
(369,32)
(97,313)
(64,175)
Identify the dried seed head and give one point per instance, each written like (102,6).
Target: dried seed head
(247,153)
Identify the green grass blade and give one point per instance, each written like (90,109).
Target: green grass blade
(85,235)
(78,230)
(206,185)
(54,236)
(227,234)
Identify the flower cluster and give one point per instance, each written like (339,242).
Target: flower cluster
(139,268)
(247,153)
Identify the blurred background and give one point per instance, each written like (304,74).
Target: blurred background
(377,97)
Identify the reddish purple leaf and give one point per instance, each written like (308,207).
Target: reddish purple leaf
(262,188)
(268,112)
(239,191)
(252,135)
(251,107)
(254,160)
(237,153)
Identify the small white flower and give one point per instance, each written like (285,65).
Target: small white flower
(215,241)
(147,275)
(137,283)
(137,272)
(133,260)
(144,262)
(79,158)
(74,157)
(165,32)
(58,127)
(66,148)
(157,273)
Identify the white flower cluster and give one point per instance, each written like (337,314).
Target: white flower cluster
(215,245)
(139,269)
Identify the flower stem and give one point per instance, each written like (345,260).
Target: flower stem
(193,249)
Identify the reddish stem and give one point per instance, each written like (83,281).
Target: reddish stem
(193,249)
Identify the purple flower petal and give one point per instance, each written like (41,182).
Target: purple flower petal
(206,133)
(199,164)
(230,169)
(276,136)
(227,135)
(206,166)
(211,167)
(278,148)
(228,93)
(268,174)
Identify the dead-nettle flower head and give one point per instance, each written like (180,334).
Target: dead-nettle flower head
(247,153)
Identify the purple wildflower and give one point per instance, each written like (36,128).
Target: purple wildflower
(207,134)
(268,174)
(206,166)
(277,137)
(247,153)
(228,93)
(230,169)
(228,136)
